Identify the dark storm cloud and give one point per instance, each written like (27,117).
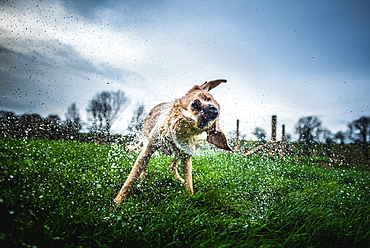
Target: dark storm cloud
(88,8)
(49,75)
(292,58)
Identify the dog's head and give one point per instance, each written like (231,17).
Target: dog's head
(203,111)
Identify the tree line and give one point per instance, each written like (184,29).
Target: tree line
(102,111)
(312,135)
(310,130)
(104,108)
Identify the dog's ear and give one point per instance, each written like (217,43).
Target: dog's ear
(216,137)
(207,86)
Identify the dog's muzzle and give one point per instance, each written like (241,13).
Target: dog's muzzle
(207,112)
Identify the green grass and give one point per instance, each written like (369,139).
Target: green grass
(58,194)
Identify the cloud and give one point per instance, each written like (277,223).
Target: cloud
(286,59)
(49,60)
(50,80)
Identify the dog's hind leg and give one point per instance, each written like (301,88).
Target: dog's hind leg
(174,171)
(139,166)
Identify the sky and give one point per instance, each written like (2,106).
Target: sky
(286,58)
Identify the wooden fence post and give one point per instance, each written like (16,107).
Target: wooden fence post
(273,135)
(237,142)
(283,142)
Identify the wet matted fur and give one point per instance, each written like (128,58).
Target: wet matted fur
(173,129)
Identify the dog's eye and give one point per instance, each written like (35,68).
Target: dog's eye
(206,98)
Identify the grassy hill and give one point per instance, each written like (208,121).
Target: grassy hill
(59,194)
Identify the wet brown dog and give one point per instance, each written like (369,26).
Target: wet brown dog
(173,128)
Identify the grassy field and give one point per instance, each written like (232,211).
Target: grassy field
(58,194)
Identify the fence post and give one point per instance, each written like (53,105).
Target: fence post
(237,142)
(283,142)
(273,135)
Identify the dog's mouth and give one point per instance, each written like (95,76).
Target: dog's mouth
(206,113)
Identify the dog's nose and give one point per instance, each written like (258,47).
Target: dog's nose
(212,111)
(208,114)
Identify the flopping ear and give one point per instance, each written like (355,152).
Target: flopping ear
(216,137)
(207,86)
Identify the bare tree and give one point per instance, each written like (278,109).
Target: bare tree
(8,124)
(136,124)
(325,136)
(260,134)
(31,125)
(359,131)
(53,127)
(73,122)
(340,137)
(137,121)
(103,110)
(308,129)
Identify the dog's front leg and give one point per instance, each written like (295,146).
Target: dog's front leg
(139,166)
(188,176)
